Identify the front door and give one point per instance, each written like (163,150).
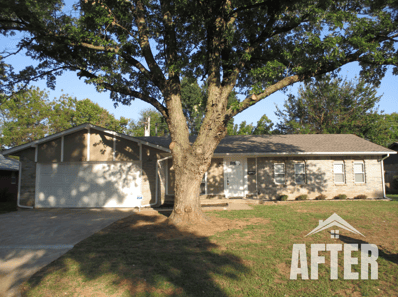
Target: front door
(234,177)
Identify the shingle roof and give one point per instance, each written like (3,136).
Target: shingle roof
(8,164)
(292,143)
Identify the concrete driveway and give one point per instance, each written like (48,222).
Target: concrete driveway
(31,239)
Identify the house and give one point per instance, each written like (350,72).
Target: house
(89,166)
(8,177)
(391,169)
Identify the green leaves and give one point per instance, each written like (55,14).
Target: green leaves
(30,115)
(334,106)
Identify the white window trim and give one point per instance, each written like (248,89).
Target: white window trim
(363,172)
(305,173)
(284,173)
(344,173)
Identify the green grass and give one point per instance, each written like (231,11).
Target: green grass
(141,256)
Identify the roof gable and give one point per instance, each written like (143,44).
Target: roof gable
(76,129)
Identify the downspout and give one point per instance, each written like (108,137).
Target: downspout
(382,175)
(157,178)
(19,188)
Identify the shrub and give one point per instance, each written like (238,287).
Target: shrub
(361,197)
(341,197)
(395,182)
(320,197)
(302,197)
(283,198)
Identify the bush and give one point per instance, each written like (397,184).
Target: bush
(395,182)
(5,195)
(283,198)
(302,197)
(341,197)
(320,197)
(360,197)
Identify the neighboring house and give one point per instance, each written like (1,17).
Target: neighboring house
(89,166)
(9,176)
(391,169)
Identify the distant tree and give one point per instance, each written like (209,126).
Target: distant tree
(264,126)
(30,115)
(25,118)
(158,125)
(335,106)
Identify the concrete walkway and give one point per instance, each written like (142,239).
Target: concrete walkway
(31,239)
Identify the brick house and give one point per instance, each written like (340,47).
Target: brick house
(89,166)
(9,176)
(391,169)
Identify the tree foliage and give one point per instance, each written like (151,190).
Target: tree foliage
(158,126)
(338,106)
(30,115)
(264,126)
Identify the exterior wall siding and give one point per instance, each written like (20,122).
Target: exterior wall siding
(28,177)
(126,150)
(49,151)
(101,146)
(75,147)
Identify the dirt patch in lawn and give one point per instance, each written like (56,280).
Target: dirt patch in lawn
(153,222)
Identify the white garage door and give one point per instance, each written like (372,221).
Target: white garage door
(112,184)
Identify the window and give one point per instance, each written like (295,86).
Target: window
(13,178)
(279,170)
(338,169)
(299,171)
(359,172)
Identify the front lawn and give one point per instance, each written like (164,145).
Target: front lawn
(243,253)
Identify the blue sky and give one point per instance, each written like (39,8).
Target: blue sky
(68,83)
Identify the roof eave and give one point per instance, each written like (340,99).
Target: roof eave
(304,154)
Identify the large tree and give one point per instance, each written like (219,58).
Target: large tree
(337,106)
(140,49)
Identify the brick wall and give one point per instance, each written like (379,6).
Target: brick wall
(319,178)
(28,177)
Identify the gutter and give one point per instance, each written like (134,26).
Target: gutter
(301,154)
(382,176)
(157,178)
(19,188)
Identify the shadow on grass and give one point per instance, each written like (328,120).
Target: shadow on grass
(141,255)
(383,254)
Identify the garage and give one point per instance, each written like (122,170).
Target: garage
(84,184)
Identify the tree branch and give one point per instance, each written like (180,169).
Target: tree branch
(126,91)
(160,80)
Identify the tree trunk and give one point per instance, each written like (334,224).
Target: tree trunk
(188,177)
